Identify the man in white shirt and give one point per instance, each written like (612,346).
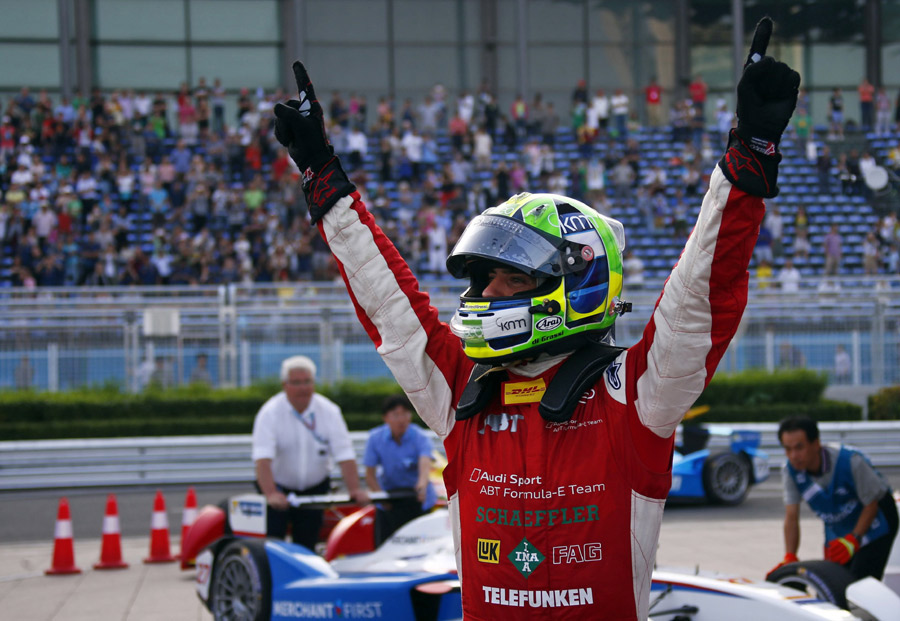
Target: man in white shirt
(789,277)
(296,436)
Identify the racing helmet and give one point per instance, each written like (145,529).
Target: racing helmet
(575,255)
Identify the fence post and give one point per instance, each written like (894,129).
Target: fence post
(878,334)
(53,367)
(245,363)
(326,346)
(770,350)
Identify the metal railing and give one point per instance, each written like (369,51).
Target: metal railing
(59,464)
(58,339)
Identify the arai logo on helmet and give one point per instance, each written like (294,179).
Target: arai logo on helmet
(548,323)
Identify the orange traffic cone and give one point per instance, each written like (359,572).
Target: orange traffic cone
(111,546)
(63,545)
(187,519)
(159,533)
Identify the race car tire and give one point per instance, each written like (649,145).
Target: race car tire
(824,579)
(241,586)
(726,478)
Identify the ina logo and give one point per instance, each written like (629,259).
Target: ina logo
(525,558)
(489,551)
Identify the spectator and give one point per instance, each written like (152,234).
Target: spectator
(763,249)
(403,454)
(871,251)
(724,121)
(789,277)
(580,94)
(200,372)
(866,106)
(598,114)
(836,115)
(790,357)
(698,90)
(549,124)
(633,270)
(653,101)
(842,365)
(764,275)
(296,435)
(824,162)
(24,374)
(775,223)
(882,112)
(832,245)
(357,147)
(620,111)
(518,114)
(802,246)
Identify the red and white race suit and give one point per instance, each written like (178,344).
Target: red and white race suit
(558,520)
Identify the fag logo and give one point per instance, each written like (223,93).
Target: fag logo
(585,553)
(526,558)
(489,551)
(523,392)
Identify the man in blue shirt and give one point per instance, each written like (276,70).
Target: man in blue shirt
(403,451)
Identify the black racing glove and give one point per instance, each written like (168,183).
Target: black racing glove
(767,96)
(300,126)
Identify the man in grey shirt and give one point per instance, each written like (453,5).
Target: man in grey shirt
(843,488)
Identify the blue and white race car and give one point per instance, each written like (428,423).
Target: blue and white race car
(245,577)
(722,474)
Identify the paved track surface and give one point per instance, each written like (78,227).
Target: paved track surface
(744,540)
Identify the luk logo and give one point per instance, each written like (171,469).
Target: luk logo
(548,323)
(526,558)
(523,392)
(489,551)
(501,422)
(586,553)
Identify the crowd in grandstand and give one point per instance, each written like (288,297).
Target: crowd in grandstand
(130,187)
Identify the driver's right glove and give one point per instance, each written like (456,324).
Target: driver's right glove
(789,558)
(766,98)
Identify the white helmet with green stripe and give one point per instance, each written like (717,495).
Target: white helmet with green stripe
(574,252)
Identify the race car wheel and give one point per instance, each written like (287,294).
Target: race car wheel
(726,478)
(822,579)
(241,588)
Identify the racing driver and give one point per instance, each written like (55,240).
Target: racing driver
(559,443)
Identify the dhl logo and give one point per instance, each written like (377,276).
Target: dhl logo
(489,551)
(523,392)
